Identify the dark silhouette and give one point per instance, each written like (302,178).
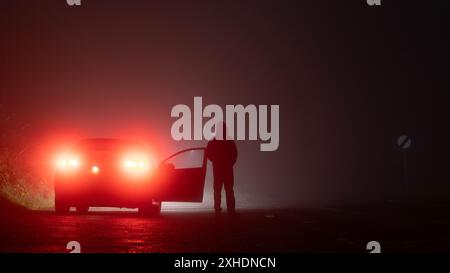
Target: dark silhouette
(223,154)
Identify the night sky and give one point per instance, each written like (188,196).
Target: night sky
(349,79)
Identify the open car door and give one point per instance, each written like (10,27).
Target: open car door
(182,176)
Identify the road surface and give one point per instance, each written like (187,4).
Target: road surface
(289,230)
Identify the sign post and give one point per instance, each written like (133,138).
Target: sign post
(404,142)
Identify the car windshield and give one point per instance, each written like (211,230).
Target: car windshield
(108,145)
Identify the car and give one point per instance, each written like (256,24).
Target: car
(105,172)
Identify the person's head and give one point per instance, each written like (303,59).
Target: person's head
(221,131)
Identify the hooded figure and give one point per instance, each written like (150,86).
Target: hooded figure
(222,152)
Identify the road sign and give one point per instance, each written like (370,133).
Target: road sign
(404,142)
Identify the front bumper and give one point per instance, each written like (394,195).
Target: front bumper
(104,190)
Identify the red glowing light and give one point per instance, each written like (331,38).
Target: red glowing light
(95,169)
(67,162)
(138,164)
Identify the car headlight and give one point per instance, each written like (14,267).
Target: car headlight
(66,163)
(137,164)
(131,164)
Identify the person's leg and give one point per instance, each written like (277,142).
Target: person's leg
(229,183)
(218,181)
